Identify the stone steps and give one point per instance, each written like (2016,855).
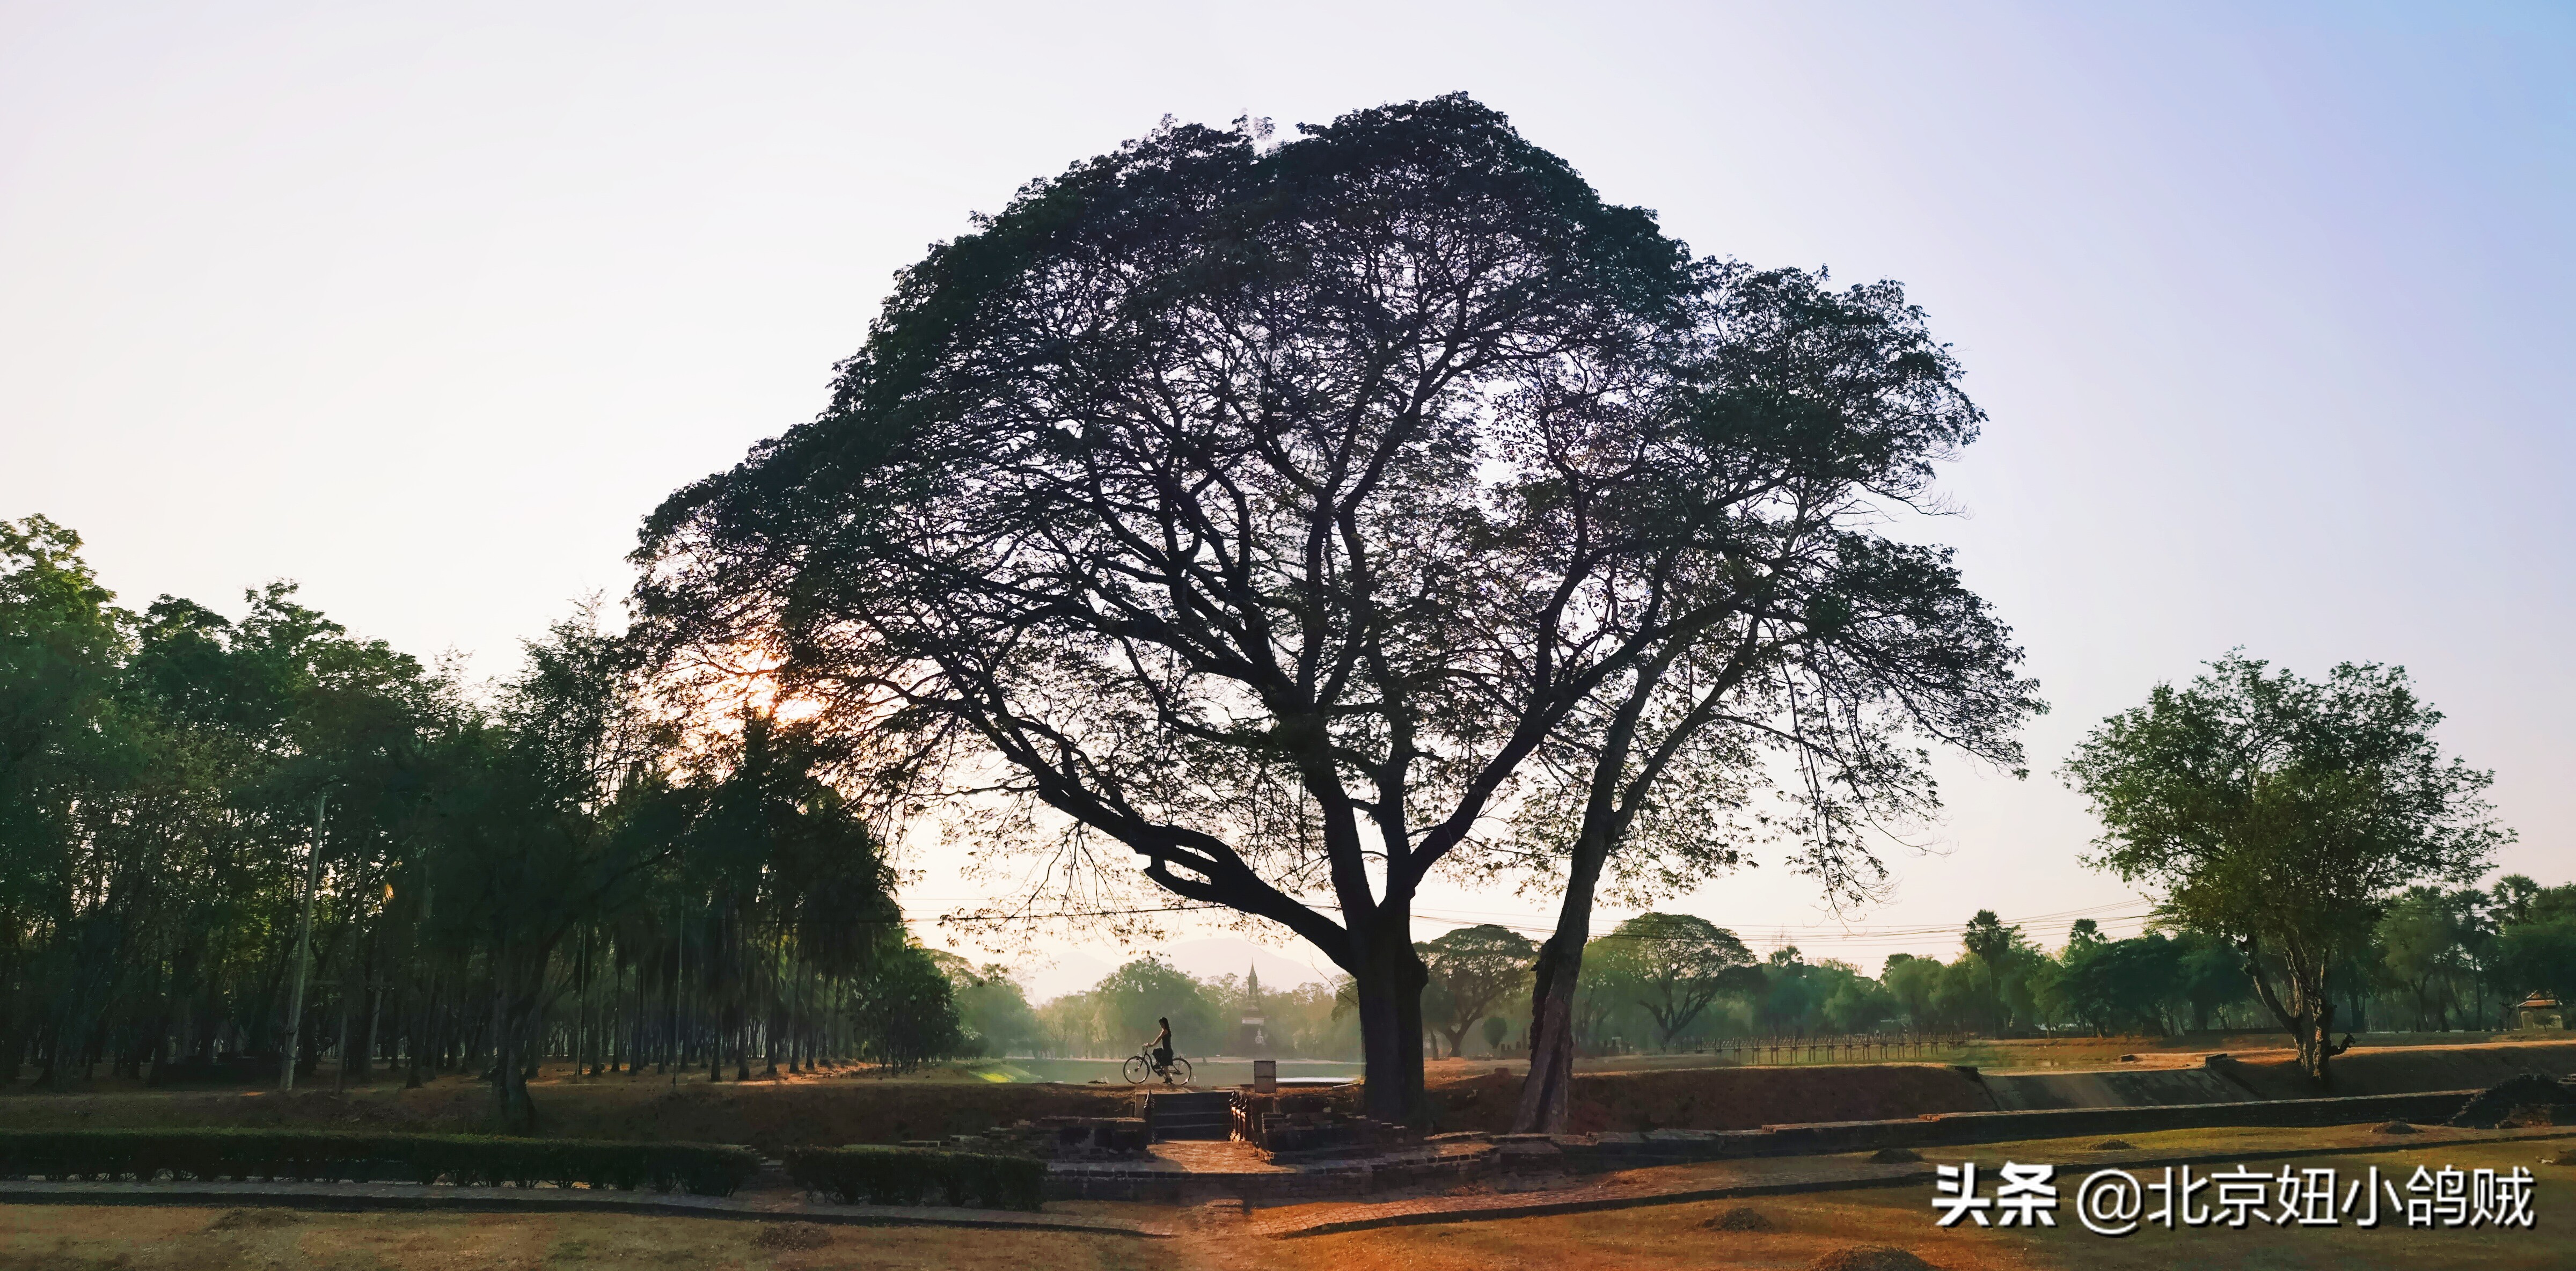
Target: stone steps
(1190,1115)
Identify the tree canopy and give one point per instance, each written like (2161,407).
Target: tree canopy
(1675,965)
(1473,970)
(1263,510)
(2284,814)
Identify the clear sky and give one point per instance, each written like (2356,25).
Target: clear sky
(424,306)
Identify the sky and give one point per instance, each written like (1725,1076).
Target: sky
(424,307)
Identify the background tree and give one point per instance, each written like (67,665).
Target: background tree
(1674,966)
(2517,899)
(2429,943)
(2212,976)
(1148,989)
(2008,966)
(1858,1004)
(1472,970)
(2283,815)
(907,1011)
(992,1009)
(2116,986)
(2535,946)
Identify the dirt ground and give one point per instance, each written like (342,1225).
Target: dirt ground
(1809,1229)
(1802,1231)
(1723,1099)
(69,1238)
(2274,1074)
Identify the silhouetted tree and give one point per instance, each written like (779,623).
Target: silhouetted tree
(1214,498)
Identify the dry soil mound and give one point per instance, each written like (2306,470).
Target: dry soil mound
(1742,1218)
(1869,1258)
(2488,1110)
(254,1219)
(793,1235)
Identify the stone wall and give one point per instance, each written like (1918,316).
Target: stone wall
(1448,1161)
(1658,1147)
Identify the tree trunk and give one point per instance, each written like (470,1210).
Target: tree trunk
(423,1034)
(2309,1011)
(513,1017)
(340,1070)
(1547,1093)
(375,1000)
(1458,1038)
(1389,985)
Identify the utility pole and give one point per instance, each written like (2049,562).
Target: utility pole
(304,945)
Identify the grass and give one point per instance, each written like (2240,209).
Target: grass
(825,1111)
(76,1238)
(2029,1054)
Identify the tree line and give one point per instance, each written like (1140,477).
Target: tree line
(228,845)
(2434,960)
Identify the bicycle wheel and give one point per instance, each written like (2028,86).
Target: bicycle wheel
(1136,1070)
(1179,1070)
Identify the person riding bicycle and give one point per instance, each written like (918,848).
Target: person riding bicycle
(1161,1050)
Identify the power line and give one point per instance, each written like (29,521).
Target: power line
(2053,922)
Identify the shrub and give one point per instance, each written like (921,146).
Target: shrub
(914,1176)
(327,1156)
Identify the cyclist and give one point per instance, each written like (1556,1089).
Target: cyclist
(1161,1050)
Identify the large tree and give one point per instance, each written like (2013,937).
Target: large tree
(63,745)
(1259,510)
(2284,814)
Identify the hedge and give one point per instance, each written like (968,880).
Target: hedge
(908,1175)
(329,1156)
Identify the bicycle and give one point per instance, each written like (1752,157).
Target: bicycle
(1141,1068)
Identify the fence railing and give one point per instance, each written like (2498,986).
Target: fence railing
(1854,1048)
